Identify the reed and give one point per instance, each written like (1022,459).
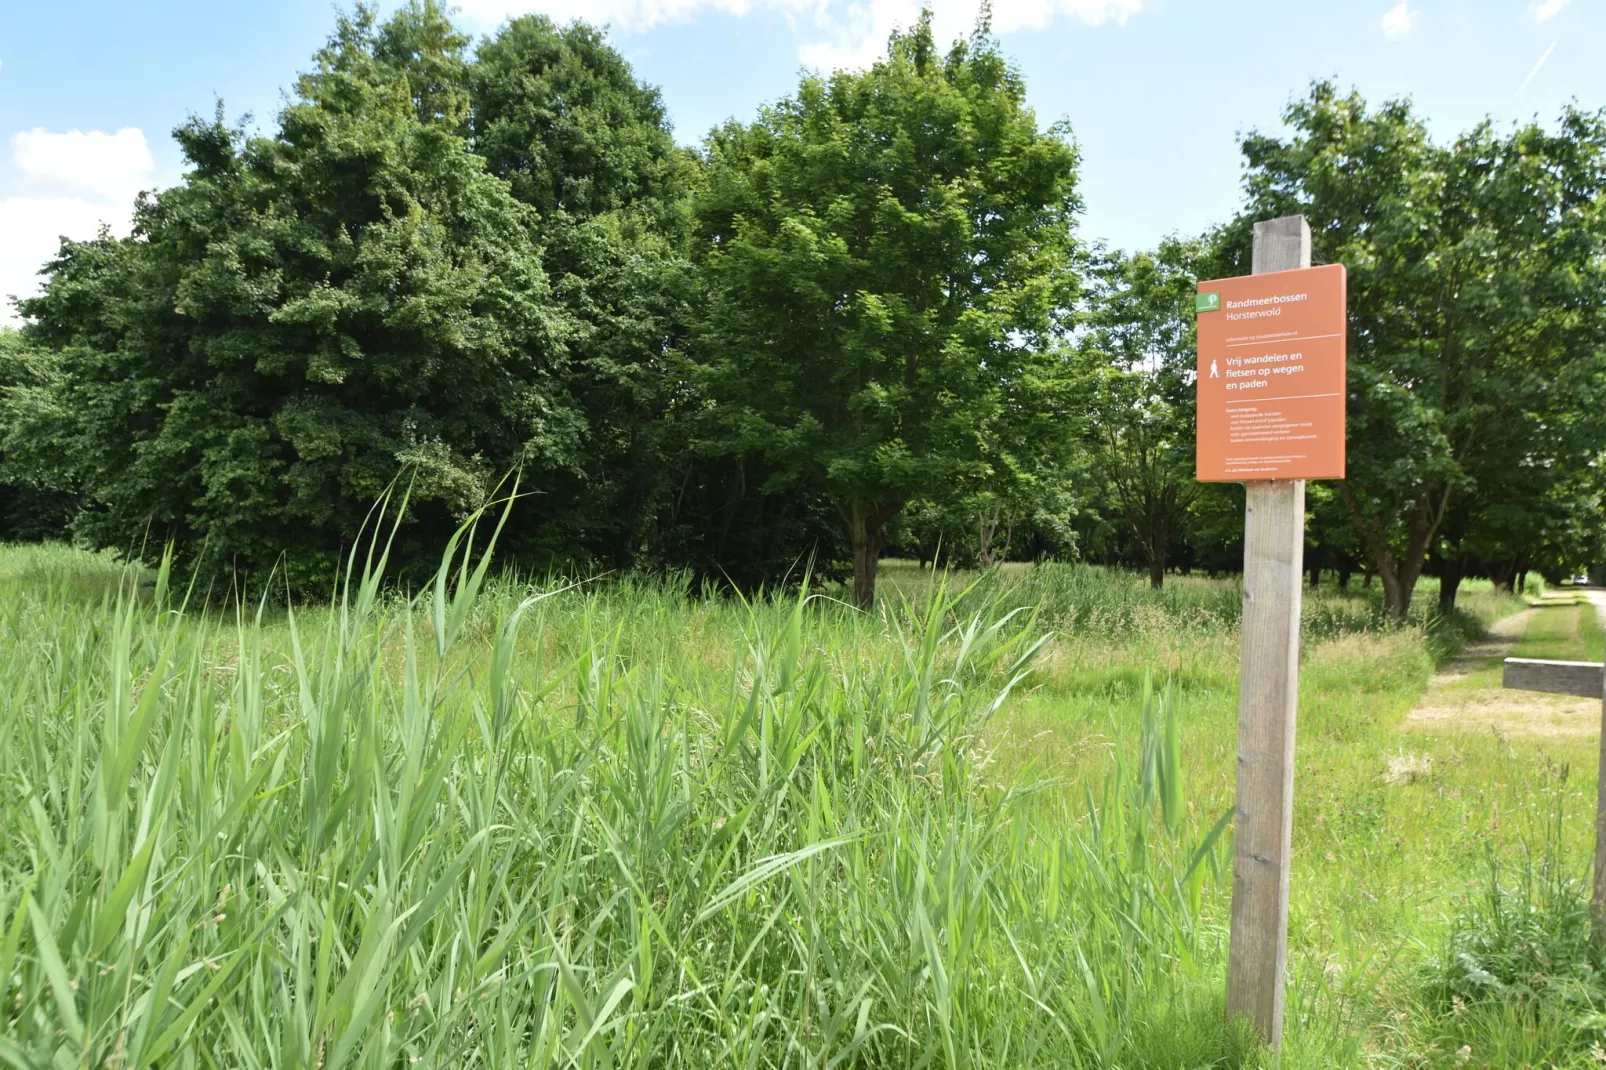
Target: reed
(495,823)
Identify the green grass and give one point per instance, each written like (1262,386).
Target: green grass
(608,825)
(594,827)
(1515,981)
(1566,630)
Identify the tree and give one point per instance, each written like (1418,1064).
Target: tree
(1137,351)
(1031,516)
(1542,517)
(1330,539)
(36,500)
(310,316)
(1476,297)
(558,114)
(886,258)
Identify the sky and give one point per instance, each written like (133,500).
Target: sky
(1157,92)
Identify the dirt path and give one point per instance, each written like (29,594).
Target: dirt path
(1465,695)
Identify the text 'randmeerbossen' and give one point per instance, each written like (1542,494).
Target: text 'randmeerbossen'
(1276,300)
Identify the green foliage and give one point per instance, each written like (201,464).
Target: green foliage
(1137,354)
(1031,519)
(888,256)
(36,501)
(1477,330)
(501,825)
(858,321)
(306,317)
(559,115)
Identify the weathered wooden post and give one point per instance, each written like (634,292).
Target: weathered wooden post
(1268,698)
(1271,392)
(1586,679)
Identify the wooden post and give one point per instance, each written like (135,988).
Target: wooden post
(1268,697)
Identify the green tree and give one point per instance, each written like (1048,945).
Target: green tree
(1330,538)
(1543,514)
(1137,353)
(558,114)
(1476,297)
(310,315)
(887,255)
(36,494)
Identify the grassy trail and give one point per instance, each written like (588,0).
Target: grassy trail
(1466,694)
(1487,793)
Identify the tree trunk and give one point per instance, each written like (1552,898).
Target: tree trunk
(865,526)
(1399,578)
(1399,571)
(1155,542)
(1315,576)
(1395,597)
(866,558)
(1345,569)
(1405,577)
(1449,580)
(986,528)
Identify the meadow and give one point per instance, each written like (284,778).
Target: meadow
(626,822)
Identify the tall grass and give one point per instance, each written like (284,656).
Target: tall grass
(1518,980)
(1112,606)
(502,825)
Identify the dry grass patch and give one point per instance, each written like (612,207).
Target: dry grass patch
(1508,713)
(1408,767)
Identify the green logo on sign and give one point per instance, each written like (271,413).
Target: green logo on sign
(1210,302)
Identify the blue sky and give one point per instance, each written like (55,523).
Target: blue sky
(1156,91)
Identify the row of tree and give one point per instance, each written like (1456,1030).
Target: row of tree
(862,321)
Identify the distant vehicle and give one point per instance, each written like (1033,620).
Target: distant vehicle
(1580,580)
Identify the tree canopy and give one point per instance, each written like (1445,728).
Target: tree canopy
(887,258)
(1137,357)
(305,315)
(860,323)
(1476,320)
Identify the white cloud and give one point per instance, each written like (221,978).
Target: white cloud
(628,16)
(855,35)
(1398,20)
(108,166)
(1544,10)
(832,33)
(65,185)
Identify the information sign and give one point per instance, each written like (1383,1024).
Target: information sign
(1271,380)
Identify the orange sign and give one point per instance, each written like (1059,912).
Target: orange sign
(1271,376)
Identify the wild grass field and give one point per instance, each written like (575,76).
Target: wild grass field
(622,823)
